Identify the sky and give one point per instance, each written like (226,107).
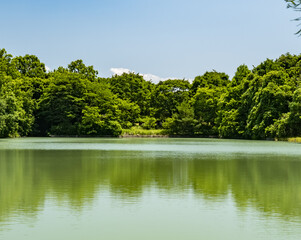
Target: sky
(160,39)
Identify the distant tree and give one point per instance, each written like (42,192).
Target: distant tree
(79,67)
(16,108)
(205,105)
(267,66)
(6,66)
(241,72)
(167,96)
(269,103)
(5,60)
(29,66)
(132,87)
(211,80)
(182,122)
(295,116)
(61,104)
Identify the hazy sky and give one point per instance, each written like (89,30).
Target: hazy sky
(166,38)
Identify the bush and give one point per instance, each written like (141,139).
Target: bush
(149,122)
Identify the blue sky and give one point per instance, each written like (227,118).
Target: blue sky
(165,39)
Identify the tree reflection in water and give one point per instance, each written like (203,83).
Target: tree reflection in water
(271,184)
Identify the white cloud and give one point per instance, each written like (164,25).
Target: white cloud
(154,78)
(146,76)
(47,69)
(120,71)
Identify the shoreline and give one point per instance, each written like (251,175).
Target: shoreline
(294,139)
(291,139)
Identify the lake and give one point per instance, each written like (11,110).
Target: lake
(149,188)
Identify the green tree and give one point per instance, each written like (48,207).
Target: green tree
(182,122)
(149,122)
(29,66)
(75,104)
(205,104)
(61,104)
(295,116)
(94,123)
(269,103)
(230,117)
(16,108)
(113,108)
(210,80)
(167,96)
(5,62)
(289,125)
(79,67)
(266,67)
(132,87)
(241,72)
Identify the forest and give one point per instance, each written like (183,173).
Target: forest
(259,103)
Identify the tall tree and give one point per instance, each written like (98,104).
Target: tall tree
(211,80)
(30,66)
(167,96)
(79,67)
(132,87)
(6,66)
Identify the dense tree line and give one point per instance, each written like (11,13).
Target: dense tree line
(261,103)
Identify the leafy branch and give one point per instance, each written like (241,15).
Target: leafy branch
(296,5)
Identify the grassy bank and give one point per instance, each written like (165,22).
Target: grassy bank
(139,131)
(295,139)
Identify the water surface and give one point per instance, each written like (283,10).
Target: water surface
(86,188)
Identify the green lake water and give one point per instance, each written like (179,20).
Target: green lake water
(136,188)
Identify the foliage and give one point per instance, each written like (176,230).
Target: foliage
(16,108)
(29,66)
(148,122)
(93,123)
(210,80)
(205,105)
(181,123)
(261,103)
(139,131)
(296,5)
(133,88)
(79,67)
(167,96)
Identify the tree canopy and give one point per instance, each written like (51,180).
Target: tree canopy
(259,103)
